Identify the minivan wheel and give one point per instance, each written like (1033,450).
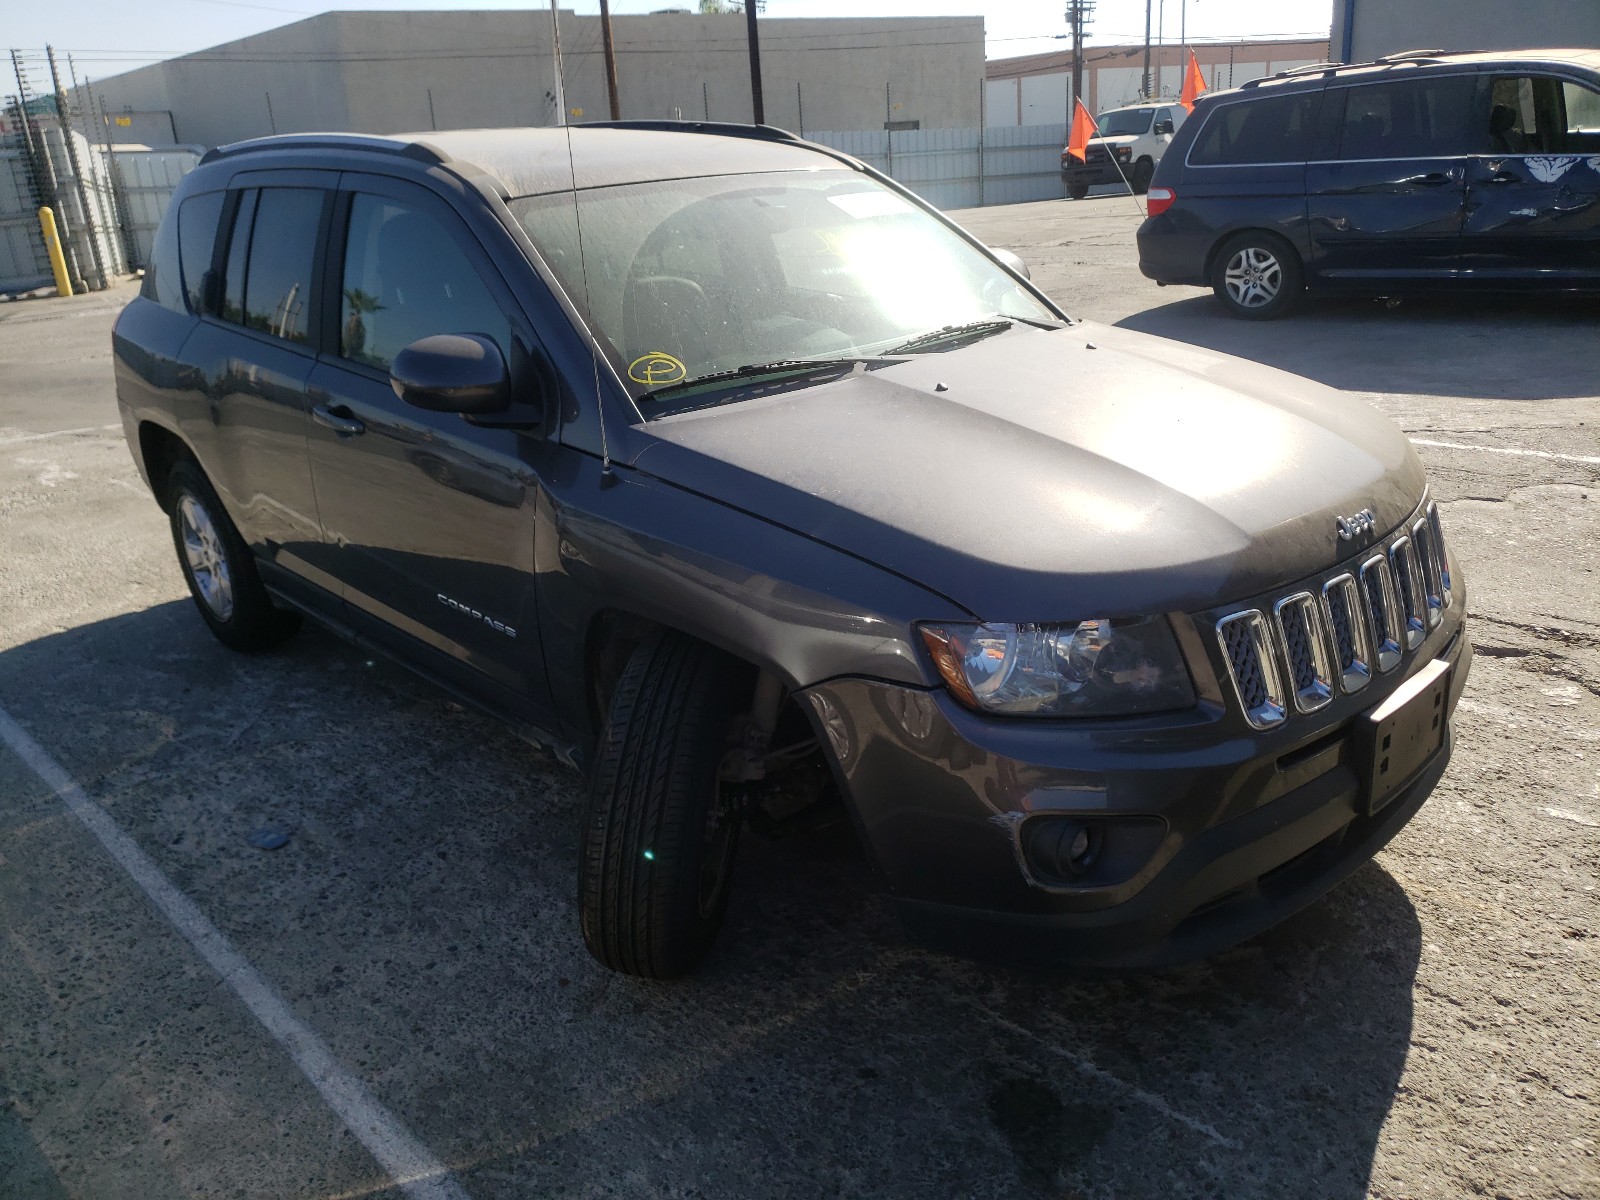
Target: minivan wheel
(1143,172)
(661,829)
(218,566)
(1077,190)
(1257,276)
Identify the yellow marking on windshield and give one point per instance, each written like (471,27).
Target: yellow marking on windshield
(656,368)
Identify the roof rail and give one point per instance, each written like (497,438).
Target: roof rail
(760,133)
(1413,58)
(1403,55)
(420,151)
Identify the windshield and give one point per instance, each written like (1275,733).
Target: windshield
(1125,121)
(689,277)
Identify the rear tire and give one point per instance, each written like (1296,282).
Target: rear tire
(1077,190)
(660,830)
(1257,276)
(1143,172)
(218,566)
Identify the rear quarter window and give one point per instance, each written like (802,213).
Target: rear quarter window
(162,281)
(1272,129)
(197,241)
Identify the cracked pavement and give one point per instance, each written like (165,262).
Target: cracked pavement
(1429,1030)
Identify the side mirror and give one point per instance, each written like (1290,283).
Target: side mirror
(1011,262)
(1163,127)
(452,372)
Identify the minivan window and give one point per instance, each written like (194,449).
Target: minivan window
(406,278)
(1271,129)
(1543,115)
(1413,118)
(197,240)
(283,246)
(1128,121)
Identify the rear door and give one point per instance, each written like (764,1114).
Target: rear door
(253,352)
(1533,194)
(1386,196)
(431,516)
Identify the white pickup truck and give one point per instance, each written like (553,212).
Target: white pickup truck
(1137,136)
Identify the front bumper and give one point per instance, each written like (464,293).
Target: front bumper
(1253,825)
(1097,171)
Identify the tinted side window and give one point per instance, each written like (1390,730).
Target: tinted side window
(1273,129)
(1542,115)
(162,282)
(283,250)
(1413,118)
(197,238)
(238,255)
(406,278)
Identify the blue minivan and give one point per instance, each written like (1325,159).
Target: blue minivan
(1419,171)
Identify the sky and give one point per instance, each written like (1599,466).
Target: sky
(108,36)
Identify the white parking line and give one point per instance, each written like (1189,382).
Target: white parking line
(408,1162)
(1577,458)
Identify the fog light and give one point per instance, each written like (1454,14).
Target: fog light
(1062,848)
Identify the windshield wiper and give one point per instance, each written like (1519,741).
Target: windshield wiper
(951,333)
(781,366)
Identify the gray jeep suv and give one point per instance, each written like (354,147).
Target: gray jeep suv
(755,488)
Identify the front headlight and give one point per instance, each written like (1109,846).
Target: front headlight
(1098,668)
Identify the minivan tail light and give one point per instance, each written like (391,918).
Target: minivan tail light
(1159,199)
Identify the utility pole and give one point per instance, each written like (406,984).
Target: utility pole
(611,60)
(555,51)
(86,220)
(1161,46)
(757,108)
(1079,13)
(1145,87)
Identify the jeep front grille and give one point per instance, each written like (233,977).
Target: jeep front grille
(1332,636)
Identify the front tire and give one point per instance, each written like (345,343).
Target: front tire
(1143,172)
(660,829)
(1257,276)
(1077,190)
(218,566)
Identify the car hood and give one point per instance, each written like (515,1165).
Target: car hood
(1044,475)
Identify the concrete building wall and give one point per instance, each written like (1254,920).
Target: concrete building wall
(1367,29)
(377,73)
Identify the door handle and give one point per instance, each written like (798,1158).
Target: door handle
(1431,179)
(1504,177)
(340,424)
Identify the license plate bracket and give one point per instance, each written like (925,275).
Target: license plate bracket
(1395,739)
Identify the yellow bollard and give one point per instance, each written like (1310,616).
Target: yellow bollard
(52,243)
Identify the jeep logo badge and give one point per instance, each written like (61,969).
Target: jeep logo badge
(1356,524)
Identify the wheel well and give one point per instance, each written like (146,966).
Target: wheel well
(610,642)
(1216,246)
(159,448)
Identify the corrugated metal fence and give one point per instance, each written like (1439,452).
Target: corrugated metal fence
(148,178)
(963,168)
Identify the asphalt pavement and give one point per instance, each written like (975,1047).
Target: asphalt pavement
(1429,1030)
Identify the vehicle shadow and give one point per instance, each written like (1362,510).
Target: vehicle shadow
(422,918)
(1482,347)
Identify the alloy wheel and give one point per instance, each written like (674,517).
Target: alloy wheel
(1253,277)
(206,558)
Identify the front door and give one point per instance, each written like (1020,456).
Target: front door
(1385,196)
(431,515)
(1533,198)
